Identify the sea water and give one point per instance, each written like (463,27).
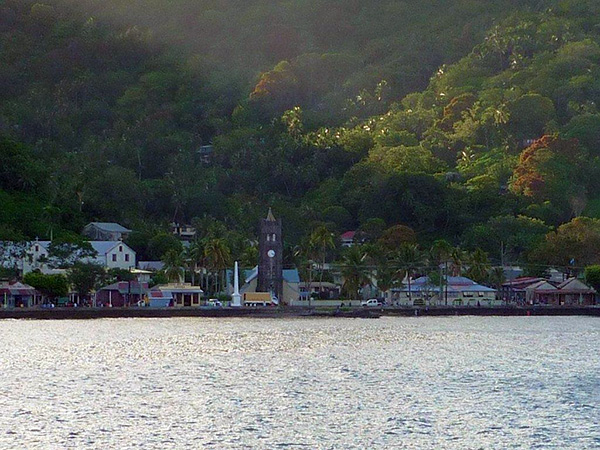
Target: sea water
(423,383)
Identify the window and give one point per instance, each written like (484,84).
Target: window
(37,248)
(114,258)
(467,294)
(120,248)
(127,257)
(268,238)
(274,237)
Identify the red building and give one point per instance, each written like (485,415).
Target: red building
(123,293)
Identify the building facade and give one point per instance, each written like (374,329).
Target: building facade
(18,295)
(108,254)
(182,295)
(270,258)
(122,293)
(455,291)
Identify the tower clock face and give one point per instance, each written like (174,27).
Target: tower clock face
(271,253)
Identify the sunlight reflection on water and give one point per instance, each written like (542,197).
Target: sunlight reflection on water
(462,382)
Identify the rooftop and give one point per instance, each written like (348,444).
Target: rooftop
(110,226)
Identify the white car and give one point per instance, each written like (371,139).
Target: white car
(371,302)
(214,303)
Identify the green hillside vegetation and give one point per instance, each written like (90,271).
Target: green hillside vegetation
(460,120)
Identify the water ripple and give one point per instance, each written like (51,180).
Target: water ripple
(425,383)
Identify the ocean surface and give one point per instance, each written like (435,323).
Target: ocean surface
(422,383)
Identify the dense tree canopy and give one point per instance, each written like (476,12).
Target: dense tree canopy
(476,122)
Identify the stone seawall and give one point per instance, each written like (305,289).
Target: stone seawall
(102,313)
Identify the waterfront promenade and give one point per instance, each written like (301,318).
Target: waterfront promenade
(270,312)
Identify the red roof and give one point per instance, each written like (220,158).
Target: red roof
(348,235)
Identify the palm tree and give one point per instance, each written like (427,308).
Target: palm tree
(218,258)
(354,270)
(385,273)
(457,258)
(305,253)
(194,258)
(321,239)
(441,251)
(479,265)
(409,259)
(51,216)
(173,265)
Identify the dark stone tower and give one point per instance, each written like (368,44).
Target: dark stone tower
(270,257)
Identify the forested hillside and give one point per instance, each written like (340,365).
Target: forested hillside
(472,121)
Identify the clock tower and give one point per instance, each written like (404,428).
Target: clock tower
(270,259)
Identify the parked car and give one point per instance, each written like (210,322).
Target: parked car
(214,303)
(371,303)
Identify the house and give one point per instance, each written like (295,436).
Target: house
(108,254)
(515,291)
(574,292)
(143,276)
(183,232)
(347,238)
(290,286)
(456,291)
(105,231)
(18,295)
(540,291)
(324,290)
(180,294)
(204,154)
(122,293)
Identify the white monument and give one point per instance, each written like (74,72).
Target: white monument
(236,298)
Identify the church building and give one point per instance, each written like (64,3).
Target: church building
(270,256)
(269,275)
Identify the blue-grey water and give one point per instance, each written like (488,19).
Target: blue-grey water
(439,383)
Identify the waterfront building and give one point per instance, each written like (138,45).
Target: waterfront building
(122,293)
(179,294)
(455,291)
(540,291)
(105,231)
(574,292)
(18,295)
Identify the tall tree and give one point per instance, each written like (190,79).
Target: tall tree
(409,259)
(479,265)
(173,265)
(218,258)
(440,253)
(354,269)
(86,278)
(322,240)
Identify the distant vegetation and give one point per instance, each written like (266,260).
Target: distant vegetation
(476,122)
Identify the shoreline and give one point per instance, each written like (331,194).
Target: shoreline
(275,313)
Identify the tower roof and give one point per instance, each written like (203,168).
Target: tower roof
(270,216)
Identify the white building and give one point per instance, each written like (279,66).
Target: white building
(108,254)
(455,291)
